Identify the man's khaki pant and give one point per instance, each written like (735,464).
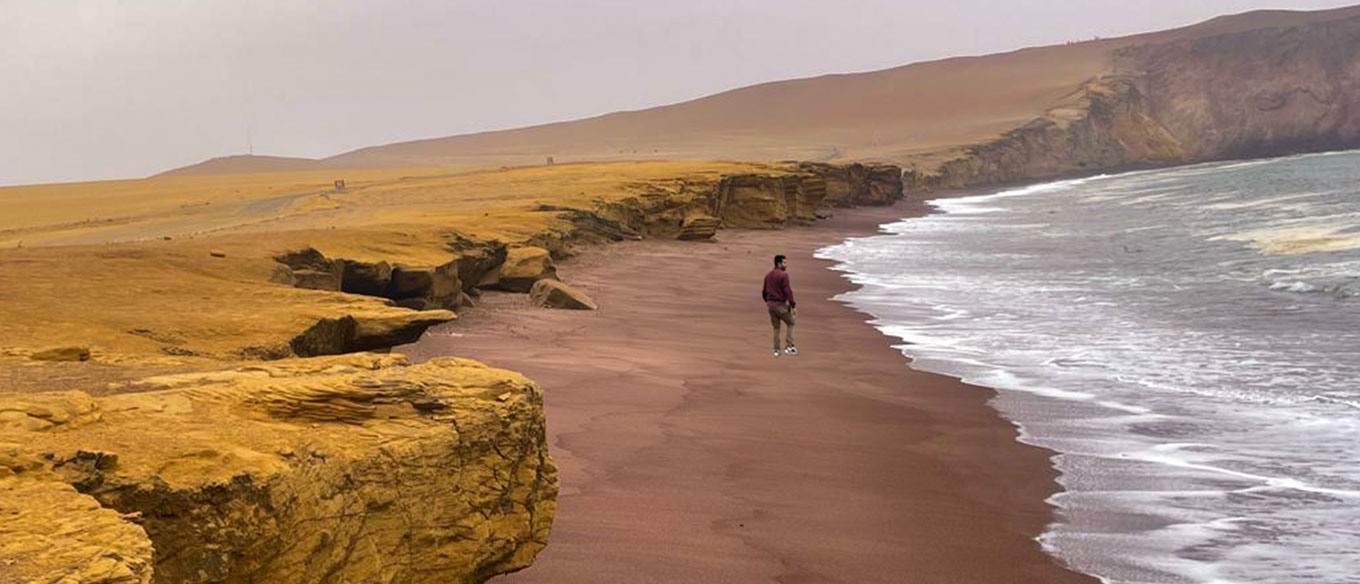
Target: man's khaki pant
(782,313)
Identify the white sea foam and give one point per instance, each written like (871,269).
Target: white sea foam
(1201,395)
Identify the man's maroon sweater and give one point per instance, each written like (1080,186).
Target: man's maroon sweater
(777,291)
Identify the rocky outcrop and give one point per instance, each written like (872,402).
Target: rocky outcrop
(554,294)
(359,468)
(62,354)
(698,227)
(683,208)
(853,185)
(354,467)
(756,201)
(414,287)
(422,288)
(362,332)
(697,210)
(367,278)
(523,267)
(308,268)
(475,259)
(1108,126)
(1263,92)
(589,226)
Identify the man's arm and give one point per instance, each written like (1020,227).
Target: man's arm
(788,293)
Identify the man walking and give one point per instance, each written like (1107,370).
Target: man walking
(778,297)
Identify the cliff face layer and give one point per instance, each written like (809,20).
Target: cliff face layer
(1259,93)
(1262,92)
(358,468)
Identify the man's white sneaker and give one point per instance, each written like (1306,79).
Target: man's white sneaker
(791,351)
(776,353)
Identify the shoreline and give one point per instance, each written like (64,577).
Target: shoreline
(688,453)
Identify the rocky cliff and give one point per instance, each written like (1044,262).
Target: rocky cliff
(269,458)
(358,468)
(1262,92)
(686,209)
(697,210)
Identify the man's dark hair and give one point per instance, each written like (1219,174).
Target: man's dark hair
(777,259)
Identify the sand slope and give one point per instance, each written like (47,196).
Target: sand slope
(246,163)
(920,113)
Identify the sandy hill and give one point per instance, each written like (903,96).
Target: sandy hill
(246,163)
(921,114)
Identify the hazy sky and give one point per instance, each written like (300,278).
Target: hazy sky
(100,89)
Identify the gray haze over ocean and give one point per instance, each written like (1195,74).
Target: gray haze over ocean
(1188,340)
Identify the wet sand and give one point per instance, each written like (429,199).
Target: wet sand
(689,453)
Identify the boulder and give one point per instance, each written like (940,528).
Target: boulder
(698,228)
(555,294)
(523,267)
(62,354)
(334,469)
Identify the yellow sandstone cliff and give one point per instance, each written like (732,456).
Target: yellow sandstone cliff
(356,468)
(191,408)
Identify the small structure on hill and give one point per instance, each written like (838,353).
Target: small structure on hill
(339,184)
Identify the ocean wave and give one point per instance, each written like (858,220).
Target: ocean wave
(1199,393)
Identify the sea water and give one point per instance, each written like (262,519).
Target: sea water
(1188,341)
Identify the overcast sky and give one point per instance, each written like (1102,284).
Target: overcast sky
(95,89)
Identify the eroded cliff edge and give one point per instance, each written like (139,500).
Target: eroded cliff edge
(1265,92)
(357,468)
(212,420)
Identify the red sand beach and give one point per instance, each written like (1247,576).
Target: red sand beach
(688,453)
